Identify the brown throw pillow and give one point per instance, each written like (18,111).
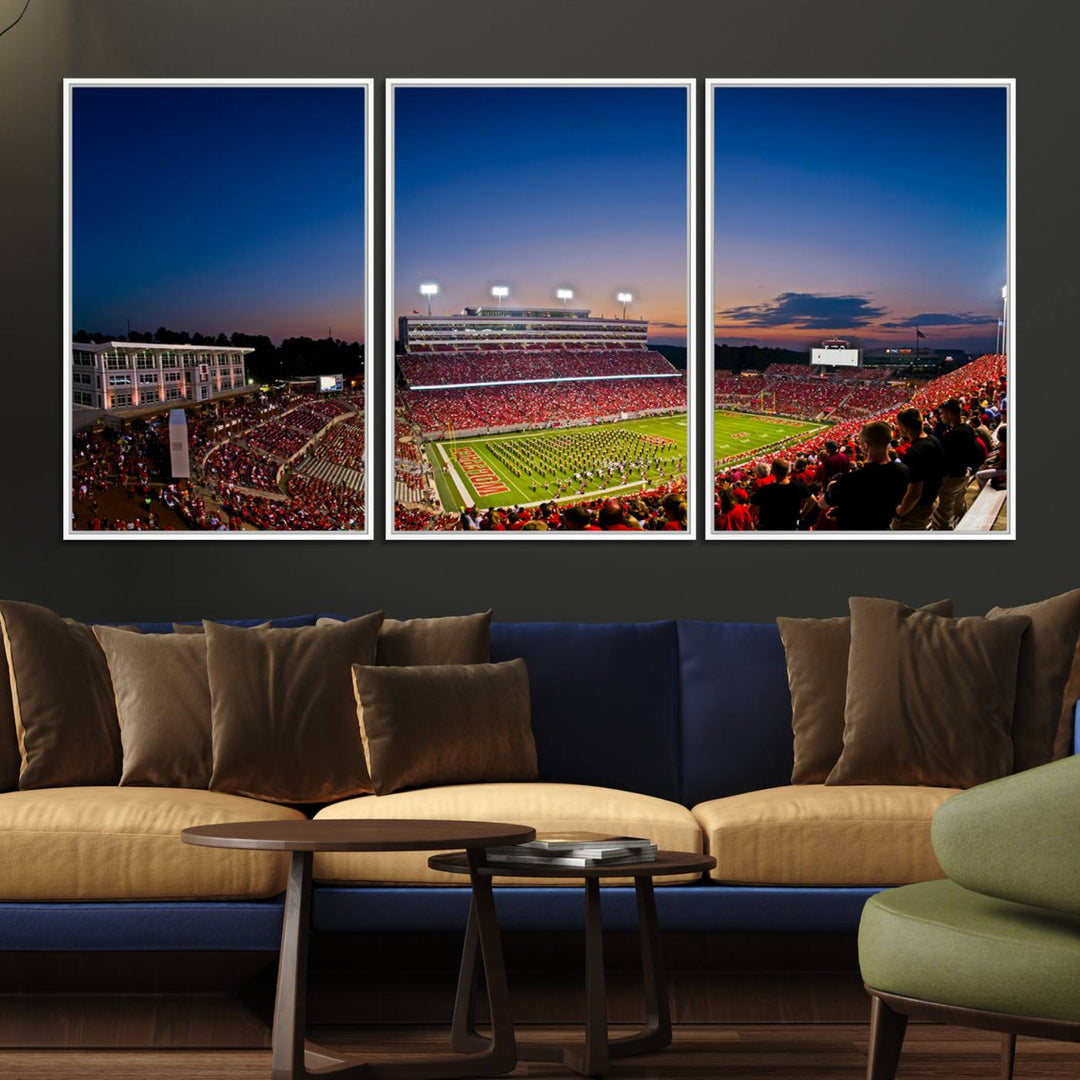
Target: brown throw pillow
(62,698)
(454,639)
(1046,657)
(197,628)
(282,710)
(9,740)
(447,724)
(929,700)
(817,662)
(163,703)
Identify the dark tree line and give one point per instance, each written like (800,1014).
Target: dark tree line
(294,357)
(754,357)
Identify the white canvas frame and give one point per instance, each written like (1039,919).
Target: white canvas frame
(690,86)
(709,309)
(367,532)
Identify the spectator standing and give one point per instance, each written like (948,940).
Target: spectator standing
(778,503)
(962,458)
(925,461)
(867,499)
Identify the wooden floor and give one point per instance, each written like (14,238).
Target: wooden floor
(725,1052)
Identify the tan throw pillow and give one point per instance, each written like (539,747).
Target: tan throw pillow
(453,639)
(817,662)
(929,700)
(447,724)
(197,628)
(62,698)
(163,703)
(282,711)
(9,739)
(1046,657)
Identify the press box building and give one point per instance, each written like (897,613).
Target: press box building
(135,374)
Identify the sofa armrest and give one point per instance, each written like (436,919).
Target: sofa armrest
(1017,838)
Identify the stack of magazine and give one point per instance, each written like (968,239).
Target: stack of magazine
(575,849)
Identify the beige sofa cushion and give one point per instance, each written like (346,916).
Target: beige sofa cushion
(810,834)
(546,807)
(123,843)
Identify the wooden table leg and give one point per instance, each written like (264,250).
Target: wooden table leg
(592,1058)
(656,1034)
(464,1037)
(501,1053)
(292,1058)
(290,1011)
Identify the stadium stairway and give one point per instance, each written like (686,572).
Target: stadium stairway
(338,475)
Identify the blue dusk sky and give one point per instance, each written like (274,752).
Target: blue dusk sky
(216,209)
(540,188)
(861,212)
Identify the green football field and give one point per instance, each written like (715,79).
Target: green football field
(741,434)
(500,470)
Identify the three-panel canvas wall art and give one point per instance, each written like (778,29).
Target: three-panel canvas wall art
(547,365)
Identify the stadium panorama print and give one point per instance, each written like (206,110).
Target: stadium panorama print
(218,287)
(860,267)
(540,321)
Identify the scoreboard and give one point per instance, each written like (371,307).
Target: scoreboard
(837,357)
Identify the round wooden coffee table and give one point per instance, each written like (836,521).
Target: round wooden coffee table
(291,1057)
(591,1058)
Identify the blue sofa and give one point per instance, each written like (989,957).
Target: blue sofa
(681,711)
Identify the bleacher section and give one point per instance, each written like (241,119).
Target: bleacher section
(807,393)
(475,368)
(538,404)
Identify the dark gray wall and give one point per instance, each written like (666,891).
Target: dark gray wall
(591,581)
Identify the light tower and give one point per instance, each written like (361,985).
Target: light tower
(500,292)
(624,298)
(1004,319)
(429,289)
(564,295)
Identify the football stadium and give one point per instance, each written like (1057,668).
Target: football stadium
(236,458)
(537,418)
(807,425)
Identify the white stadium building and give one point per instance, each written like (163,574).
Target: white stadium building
(138,376)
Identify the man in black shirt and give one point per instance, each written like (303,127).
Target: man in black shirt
(925,461)
(962,457)
(778,503)
(867,498)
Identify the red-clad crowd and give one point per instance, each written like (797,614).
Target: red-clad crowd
(908,469)
(660,509)
(542,404)
(799,392)
(485,366)
(233,445)
(239,466)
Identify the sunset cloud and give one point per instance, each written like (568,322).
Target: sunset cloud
(941,319)
(805,311)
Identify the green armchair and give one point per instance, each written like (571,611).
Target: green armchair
(997,944)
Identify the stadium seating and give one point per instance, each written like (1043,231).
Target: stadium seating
(982,382)
(238,454)
(518,365)
(487,407)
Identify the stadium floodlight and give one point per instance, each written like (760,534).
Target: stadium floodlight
(499,292)
(624,298)
(1004,321)
(564,295)
(429,289)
